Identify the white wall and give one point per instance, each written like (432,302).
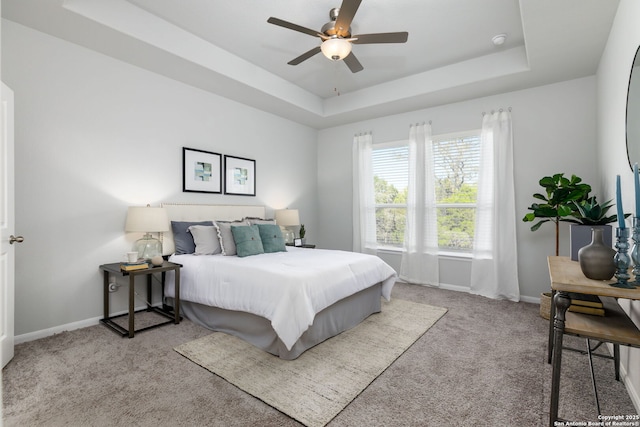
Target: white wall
(554,130)
(95,135)
(612,83)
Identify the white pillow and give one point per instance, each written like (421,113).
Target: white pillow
(206,239)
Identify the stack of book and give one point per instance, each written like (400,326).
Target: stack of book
(587,304)
(132,266)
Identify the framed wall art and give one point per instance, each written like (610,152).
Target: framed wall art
(240,176)
(201,171)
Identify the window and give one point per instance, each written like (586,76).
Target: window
(456,159)
(390,181)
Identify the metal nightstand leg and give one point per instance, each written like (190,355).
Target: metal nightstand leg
(105,295)
(131,305)
(176,300)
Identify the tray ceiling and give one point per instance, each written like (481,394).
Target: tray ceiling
(228,48)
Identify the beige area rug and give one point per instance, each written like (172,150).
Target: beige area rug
(314,388)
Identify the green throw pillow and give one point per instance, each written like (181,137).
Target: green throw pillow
(271,236)
(247,239)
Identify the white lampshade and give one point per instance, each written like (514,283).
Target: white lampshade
(336,48)
(147,219)
(287,217)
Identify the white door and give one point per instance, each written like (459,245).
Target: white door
(7,238)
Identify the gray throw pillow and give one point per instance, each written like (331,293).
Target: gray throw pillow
(206,239)
(226,237)
(182,238)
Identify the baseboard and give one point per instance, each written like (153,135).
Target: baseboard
(32,336)
(460,288)
(446,286)
(633,393)
(532,300)
(456,288)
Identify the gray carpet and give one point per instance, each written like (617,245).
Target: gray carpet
(315,387)
(482,364)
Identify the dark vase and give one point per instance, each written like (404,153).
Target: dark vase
(596,259)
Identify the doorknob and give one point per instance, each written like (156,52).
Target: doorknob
(13,239)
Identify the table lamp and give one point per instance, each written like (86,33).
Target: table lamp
(286,218)
(147,220)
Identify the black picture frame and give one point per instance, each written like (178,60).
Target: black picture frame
(201,171)
(240,176)
(297,242)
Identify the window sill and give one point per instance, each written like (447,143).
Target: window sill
(456,255)
(441,254)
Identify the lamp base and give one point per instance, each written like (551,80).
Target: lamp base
(288,235)
(148,247)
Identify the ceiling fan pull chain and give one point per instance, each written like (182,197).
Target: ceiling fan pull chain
(336,78)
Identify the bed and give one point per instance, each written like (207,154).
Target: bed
(283,302)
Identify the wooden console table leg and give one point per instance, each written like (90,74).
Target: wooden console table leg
(562,302)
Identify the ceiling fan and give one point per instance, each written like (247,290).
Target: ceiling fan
(337,38)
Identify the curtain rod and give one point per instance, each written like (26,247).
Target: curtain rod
(418,124)
(500,110)
(369,132)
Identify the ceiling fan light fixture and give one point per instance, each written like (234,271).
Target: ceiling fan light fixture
(336,48)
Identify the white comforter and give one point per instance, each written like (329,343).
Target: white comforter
(288,288)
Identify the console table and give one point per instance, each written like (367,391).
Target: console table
(615,327)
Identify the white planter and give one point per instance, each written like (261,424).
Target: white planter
(581,236)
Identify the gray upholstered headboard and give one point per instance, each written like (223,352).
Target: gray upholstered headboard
(191,212)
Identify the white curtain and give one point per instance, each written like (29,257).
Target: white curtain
(494,269)
(364,208)
(420,258)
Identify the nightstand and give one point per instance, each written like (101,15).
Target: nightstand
(173,315)
(302,246)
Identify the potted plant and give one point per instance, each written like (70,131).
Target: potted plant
(589,215)
(302,232)
(560,202)
(567,200)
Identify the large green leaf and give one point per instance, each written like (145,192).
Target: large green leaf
(537,225)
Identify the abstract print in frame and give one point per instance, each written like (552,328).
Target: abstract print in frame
(201,171)
(240,176)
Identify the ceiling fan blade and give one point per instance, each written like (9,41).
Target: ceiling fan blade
(305,56)
(294,27)
(400,37)
(345,16)
(353,63)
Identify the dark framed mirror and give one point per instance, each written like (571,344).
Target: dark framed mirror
(633,113)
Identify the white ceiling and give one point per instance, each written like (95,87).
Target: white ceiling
(227,47)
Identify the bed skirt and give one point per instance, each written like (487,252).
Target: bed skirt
(337,318)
